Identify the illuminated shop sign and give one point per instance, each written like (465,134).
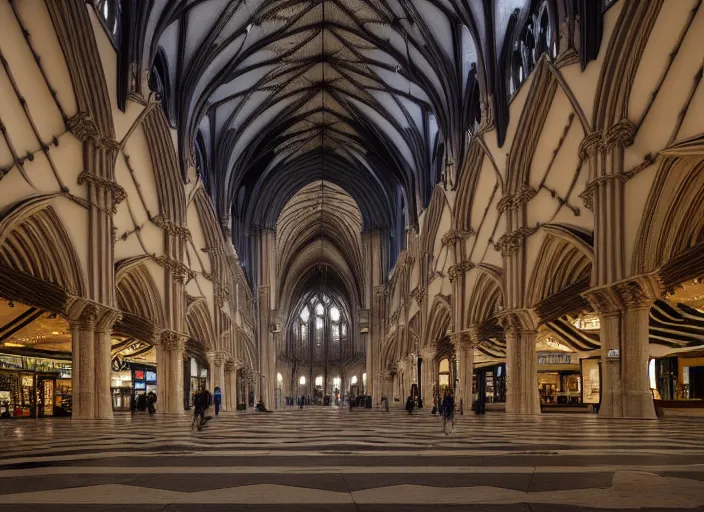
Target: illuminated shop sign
(554,359)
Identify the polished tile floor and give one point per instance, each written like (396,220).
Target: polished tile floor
(334,459)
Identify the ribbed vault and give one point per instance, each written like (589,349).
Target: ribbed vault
(380,94)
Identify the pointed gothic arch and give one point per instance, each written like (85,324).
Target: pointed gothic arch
(439,319)
(34,242)
(562,271)
(200,324)
(139,299)
(487,295)
(671,233)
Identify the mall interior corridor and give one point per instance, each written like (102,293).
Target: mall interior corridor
(492,209)
(334,459)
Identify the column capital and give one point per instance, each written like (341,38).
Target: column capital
(520,321)
(632,293)
(171,340)
(90,314)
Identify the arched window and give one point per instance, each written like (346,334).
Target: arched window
(536,37)
(319,381)
(320,333)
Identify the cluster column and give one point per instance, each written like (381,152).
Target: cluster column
(624,313)
(216,360)
(427,372)
(230,391)
(466,344)
(521,363)
(169,357)
(91,325)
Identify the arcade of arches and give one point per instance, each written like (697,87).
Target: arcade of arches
(318,199)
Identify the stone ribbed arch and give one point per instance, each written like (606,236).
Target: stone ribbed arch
(433,216)
(623,54)
(34,241)
(139,299)
(74,31)
(530,127)
(170,191)
(671,233)
(468,178)
(487,295)
(562,271)
(221,270)
(321,211)
(200,323)
(439,319)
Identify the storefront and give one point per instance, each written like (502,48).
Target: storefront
(559,379)
(195,378)
(133,380)
(34,387)
(493,377)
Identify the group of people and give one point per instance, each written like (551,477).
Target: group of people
(202,401)
(143,403)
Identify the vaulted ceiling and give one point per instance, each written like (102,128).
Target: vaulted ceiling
(373,96)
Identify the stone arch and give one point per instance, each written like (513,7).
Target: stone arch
(433,216)
(200,324)
(530,126)
(439,320)
(487,295)
(562,270)
(139,299)
(169,184)
(462,218)
(221,270)
(34,242)
(671,234)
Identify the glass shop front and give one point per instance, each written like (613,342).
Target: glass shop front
(130,382)
(34,387)
(195,378)
(559,379)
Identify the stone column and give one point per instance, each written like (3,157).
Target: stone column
(83,362)
(466,342)
(91,325)
(169,355)
(428,357)
(521,363)
(229,393)
(103,362)
(216,360)
(624,312)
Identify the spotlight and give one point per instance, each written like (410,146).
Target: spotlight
(11,304)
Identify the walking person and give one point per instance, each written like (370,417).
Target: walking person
(217,400)
(447,410)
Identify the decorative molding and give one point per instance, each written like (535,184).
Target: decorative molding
(459,269)
(172,229)
(172,341)
(85,129)
(511,242)
(517,200)
(418,293)
(118,193)
(181,273)
(453,236)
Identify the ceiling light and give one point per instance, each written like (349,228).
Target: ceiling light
(13,344)
(55,333)
(11,304)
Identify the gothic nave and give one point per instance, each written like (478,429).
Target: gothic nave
(334,210)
